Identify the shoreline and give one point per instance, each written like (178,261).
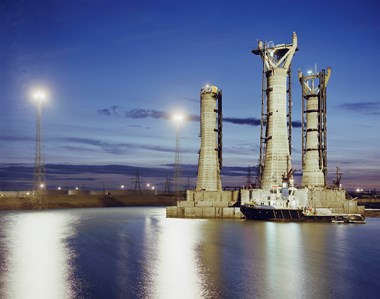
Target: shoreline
(86,201)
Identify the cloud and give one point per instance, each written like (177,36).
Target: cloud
(115,110)
(251,121)
(105,112)
(156,114)
(369,108)
(296,124)
(16,138)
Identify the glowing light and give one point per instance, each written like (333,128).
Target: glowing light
(122,186)
(42,185)
(76,188)
(147,185)
(178,117)
(309,72)
(39,95)
(59,188)
(152,187)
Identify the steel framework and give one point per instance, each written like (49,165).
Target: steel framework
(39,177)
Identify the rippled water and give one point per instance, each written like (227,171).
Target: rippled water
(138,253)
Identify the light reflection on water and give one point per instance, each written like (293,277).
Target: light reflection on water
(37,263)
(138,253)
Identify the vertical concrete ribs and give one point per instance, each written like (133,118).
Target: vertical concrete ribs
(276,161)
(314,145)
(210,152)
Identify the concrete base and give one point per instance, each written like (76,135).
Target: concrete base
(204,212)
(207,204)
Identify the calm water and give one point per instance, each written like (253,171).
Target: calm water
(138,253)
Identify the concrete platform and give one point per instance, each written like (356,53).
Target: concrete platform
(204,212)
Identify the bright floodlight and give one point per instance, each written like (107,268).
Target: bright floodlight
(39,95)
(42,185)
(178,117)
(309,72)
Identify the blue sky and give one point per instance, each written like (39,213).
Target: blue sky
(115,70)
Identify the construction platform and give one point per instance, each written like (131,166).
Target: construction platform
(207,204)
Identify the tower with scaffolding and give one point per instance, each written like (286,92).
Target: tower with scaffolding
(314,128)
(276,108)
(208,200)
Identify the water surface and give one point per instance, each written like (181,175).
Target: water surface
(138,253)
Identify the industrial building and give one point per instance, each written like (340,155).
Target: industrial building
(209,200)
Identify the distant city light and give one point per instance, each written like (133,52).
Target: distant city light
(148,185)
(152,187)
(359,190)
(42,185)
(122,186)
(59,188)
(76,188)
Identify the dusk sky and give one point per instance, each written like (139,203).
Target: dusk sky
(116,70)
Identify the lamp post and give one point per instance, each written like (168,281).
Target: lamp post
(39,181)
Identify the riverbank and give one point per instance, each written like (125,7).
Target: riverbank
(56,201)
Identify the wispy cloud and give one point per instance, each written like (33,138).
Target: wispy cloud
(251,121)
(369,108)
(156,114)
(15,138)
(114,148)
(115,110)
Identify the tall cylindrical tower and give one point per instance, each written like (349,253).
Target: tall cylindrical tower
(314,148)
(276,63)
(210,151)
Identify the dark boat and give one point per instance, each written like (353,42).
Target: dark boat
(270,213)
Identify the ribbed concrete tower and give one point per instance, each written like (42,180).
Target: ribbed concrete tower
(277,160)
(210,152)
(314,151)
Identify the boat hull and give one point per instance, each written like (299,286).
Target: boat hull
(284,215)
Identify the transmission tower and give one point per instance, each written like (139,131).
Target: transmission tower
(177,162)
(39,181)
(167,187)
(136,180)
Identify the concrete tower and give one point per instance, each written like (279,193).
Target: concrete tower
(276,63)
(211,131)
(314,146)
